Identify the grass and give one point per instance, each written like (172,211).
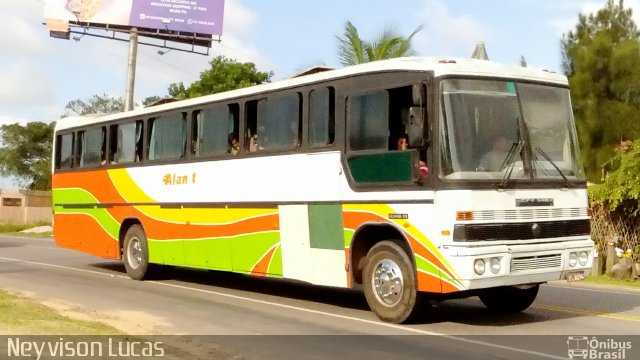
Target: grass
(607,280)
(19,315)
(15,229)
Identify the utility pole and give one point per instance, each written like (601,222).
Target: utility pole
(131,71)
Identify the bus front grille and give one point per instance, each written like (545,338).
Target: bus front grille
(521,231)
(529,214)
(526,263)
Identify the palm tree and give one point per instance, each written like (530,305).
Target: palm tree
(353,50)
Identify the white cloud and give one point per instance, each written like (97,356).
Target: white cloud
(238,20)
(6,120)
(566,23)
(24,84)
(23,32)
(446,32)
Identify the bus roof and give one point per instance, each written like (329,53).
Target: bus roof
(439,66)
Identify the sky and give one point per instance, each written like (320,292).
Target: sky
(39,75)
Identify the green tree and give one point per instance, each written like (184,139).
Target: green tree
(354,50)
(151,100)
(224,74)
(26,153)
(601,57)
(97,104)
(620,191)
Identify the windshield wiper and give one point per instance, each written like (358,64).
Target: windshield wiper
(548,158)
(515,149)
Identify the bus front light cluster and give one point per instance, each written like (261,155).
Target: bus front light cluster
(573,259)
(494,264)
(479,266)
(583,258)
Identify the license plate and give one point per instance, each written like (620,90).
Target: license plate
(576,276)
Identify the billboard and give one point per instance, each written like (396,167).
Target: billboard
(175,16)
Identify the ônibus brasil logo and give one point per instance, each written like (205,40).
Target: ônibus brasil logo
(583,347)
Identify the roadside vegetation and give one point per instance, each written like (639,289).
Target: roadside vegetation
(19,229)
(607,280)
(19,315)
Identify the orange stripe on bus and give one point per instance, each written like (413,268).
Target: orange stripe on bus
(262,267)
(353,220)
(97,241)
(429,283)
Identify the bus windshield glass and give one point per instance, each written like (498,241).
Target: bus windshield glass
(490,128)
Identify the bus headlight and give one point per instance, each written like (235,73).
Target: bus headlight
(573,259)
(583,258)
(494,265)
(479,266)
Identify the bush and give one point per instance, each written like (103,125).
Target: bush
(615,204)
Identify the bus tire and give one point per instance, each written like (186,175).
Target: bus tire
(389,281)
(509,299)
(135,254)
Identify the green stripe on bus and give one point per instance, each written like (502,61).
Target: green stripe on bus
(79,196)
(275,267)
(348,237)
(237,253)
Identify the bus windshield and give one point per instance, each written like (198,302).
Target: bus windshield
(493,127)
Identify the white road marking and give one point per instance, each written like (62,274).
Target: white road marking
(296,308)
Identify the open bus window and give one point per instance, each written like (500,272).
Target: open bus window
(251,128)
(378,122)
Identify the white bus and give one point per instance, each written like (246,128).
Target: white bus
(311,179)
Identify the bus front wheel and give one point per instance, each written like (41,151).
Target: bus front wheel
(135,254)
(389,282)
(509,299)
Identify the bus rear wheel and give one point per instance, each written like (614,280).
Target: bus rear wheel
(509,299)
(135,254)
(389,282)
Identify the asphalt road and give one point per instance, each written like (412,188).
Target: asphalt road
(230,308)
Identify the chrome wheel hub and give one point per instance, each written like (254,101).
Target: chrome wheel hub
(134,253)
(387,282)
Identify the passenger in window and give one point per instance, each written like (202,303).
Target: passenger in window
(403,143)
(234,145)
(253,143)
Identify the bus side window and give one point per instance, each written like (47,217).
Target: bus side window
(123,143)
(90,147)
(167,137)
(322,121)
(215,130)
(278,120)
(64,152)
(368,121)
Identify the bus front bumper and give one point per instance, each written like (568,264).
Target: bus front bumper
(492,265)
